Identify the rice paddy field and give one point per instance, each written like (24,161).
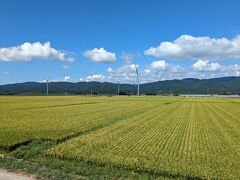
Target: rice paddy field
(172,137)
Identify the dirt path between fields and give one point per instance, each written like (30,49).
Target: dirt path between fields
(6,175)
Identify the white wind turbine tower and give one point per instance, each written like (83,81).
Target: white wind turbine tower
(47,86)
(137,72)
(118,88)
(47,82)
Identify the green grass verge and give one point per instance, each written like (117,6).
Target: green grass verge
(31,159)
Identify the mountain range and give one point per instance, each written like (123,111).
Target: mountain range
(222,85)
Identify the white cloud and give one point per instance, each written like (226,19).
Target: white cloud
(161,70)
(158,65)
(29,51)
(95,77)
(100,55)
(176,68)
(128,57)
(232,70)
(205,69)
(125,73)
(189,47)
(157,70)
(202,65)
(110,70)
(67,78)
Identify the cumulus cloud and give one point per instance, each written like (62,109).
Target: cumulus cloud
(231,70)
(161,70)
(95,77)
(100,55)
(67,78)
(157,70)
(158,65)
(190,47)
(202,65)
(29,51)
(125,73)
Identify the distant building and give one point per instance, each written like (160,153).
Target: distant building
(207,95)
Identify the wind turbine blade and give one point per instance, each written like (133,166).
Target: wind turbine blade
(136,69)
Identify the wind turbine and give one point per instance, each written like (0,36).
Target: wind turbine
(137,72)
(47,81)
(118,88)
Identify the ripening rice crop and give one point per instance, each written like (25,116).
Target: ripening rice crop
(24,119)
(183,138)
(176,137)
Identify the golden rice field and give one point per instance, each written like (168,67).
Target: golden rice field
(27,118)
(195,137)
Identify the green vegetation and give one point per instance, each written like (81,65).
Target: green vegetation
(31,159)
(128,137)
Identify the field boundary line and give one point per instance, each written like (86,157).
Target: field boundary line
(60,105)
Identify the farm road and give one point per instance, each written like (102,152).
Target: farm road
(6,175)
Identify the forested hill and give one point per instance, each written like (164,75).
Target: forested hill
(223,85)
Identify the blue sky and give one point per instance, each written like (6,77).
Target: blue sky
(103,40)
